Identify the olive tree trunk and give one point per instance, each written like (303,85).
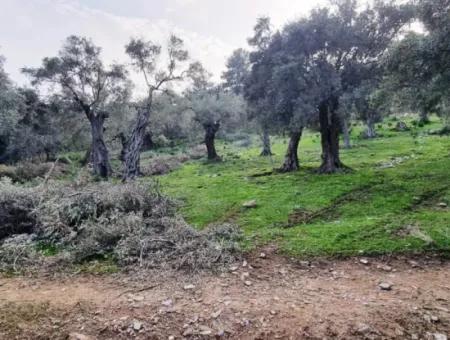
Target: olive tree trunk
(132,152)
(99,156)
(265,138)
(423,117)
(346,134)
(370,130)
(291,162)
(211,129)
(329,131)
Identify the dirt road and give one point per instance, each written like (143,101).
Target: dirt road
(266,297)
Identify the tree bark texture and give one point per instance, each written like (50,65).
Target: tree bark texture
(291,162)
(211,129)
(346,134)
(131,156)
(133,146)
(265,138)
(370,131)
(329,131)
(99,156)
(423,117)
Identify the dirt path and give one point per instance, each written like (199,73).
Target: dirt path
(265,298)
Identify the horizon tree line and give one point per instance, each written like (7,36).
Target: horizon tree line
(318,72)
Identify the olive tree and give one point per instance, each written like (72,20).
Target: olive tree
(338,48)
(257,83)
(9,115)
(214,108)
(144,56)
(78,73)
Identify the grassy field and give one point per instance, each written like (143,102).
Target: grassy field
(391,202)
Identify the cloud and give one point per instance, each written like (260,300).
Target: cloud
(36,28)
(185,2)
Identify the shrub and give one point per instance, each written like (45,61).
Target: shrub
(161,165)
(197,152)
(7,171)
(161,141)
(27,171)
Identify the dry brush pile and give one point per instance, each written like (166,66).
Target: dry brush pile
(133,223)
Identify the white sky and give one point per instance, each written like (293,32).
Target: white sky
(211,29)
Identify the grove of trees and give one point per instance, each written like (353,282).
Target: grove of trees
(340,63)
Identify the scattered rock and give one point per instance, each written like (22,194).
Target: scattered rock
(137,325)
(171,337)
(250,204)
(137,298)
(413,264)
(363,329)
(431,318)
(385,286)
(234,268)
(188,332)
(442,205)
(248,283)
(78,336)
(439,336)
(364,261)
(244,275)
(189,287)
(216,314)
(167,303)
(262,255)
(384,267)
(205,330)
(244,263)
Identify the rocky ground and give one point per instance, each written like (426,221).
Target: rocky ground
(264,297)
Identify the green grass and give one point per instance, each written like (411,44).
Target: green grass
(365,211)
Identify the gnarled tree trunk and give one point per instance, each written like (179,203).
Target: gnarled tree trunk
(211,129)
(132,153)
(99,156)
(329,131)
(265,138)
(423,117)
(370,131)
(346,134)
(291,162)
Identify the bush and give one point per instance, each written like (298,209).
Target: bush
(161,165)
(197,152)
(161,141)
(234,137)
(26,171)
(7,171)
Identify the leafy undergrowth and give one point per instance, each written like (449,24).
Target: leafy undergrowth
(395,200)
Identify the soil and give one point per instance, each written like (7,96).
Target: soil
(268,296)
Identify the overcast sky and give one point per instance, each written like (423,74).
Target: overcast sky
(212,29)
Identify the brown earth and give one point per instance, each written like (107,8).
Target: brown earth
(268,297)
